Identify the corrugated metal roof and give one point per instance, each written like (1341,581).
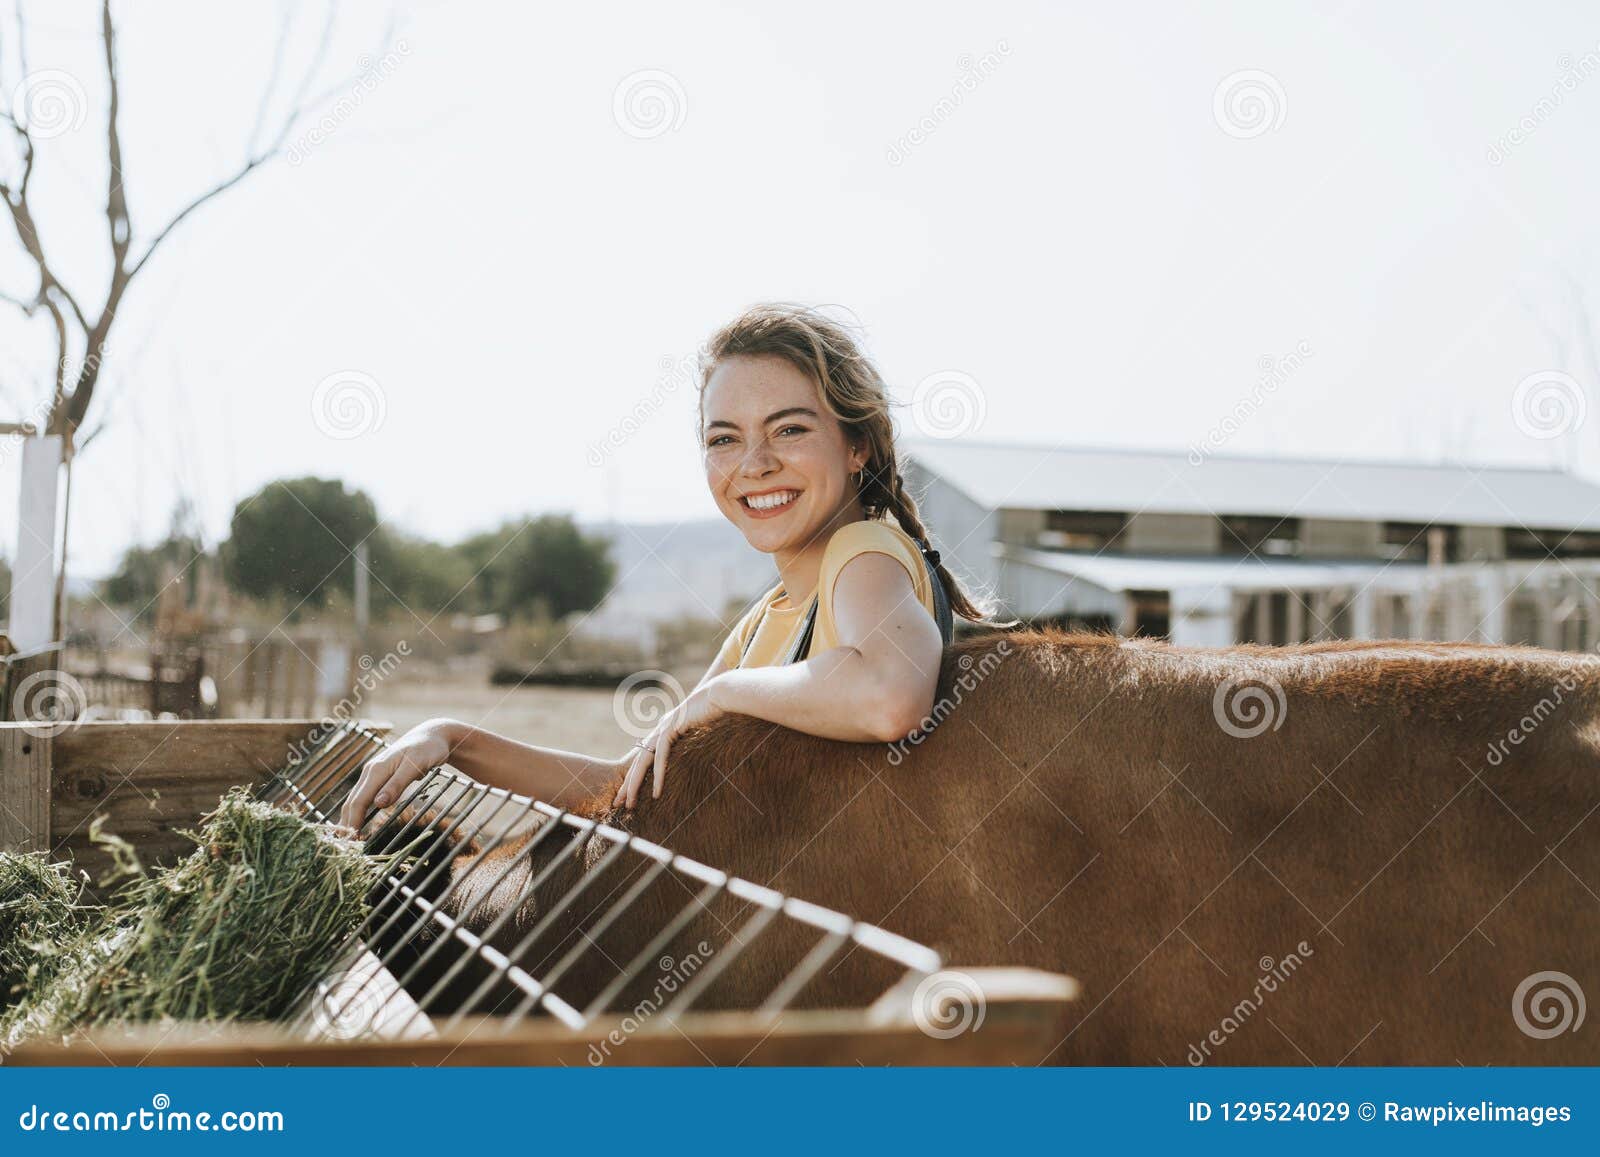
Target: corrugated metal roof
(1127,572)
(999,475)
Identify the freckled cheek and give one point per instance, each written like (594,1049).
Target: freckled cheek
(809,471)
(717,478)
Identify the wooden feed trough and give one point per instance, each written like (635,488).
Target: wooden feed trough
(487,979)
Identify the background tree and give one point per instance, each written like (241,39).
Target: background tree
(542,565)
(295,538)
(145,570)
(426,578)
(80,323)
(81,329)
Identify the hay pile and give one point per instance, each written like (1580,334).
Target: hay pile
(38,912)
(236,931)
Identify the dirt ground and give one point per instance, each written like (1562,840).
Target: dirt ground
(572,719)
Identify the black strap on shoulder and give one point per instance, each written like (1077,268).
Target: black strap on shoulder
(802,643)
(942,614)
(761,601)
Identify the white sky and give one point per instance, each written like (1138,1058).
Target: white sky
(1080,237)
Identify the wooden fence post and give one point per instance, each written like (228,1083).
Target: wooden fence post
(24,787)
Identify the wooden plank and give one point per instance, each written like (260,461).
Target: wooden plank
(24,787)
(151,779)
(1013,1030)
(34,688)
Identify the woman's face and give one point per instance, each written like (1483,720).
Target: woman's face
(777,463)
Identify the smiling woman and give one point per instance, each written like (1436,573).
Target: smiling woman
(799,454)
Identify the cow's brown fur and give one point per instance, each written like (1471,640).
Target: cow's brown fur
(1083,811)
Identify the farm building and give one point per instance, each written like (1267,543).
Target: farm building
(1210,550)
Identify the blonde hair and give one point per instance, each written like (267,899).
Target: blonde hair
(852,391)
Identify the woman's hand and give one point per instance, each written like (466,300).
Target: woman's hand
(652,750)
(403,762)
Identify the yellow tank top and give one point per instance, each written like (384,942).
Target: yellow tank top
(776,621)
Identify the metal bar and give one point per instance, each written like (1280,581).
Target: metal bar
(544,833)
(444,863)
(359,935)
(377,906)
(481,947)
(821,952)
(897,948)
(335,776)
(585,939)
(449,800)
(292,776)
(720,961)
(408,799)
(341,774)
(440,839)
(678,923)
(329,748)
(617,908)
(416,815)
(286,784)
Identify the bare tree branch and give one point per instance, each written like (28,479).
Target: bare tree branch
(50,288)
(84,439)
(72,399)
(298,106)
(272,82)
(116,195)
(296,114)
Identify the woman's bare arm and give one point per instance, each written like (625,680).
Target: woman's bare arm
(525,768)
(489,758)
(877,684)
(521,767)
(483,755)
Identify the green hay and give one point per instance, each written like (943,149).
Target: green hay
(39,912)
(236,931)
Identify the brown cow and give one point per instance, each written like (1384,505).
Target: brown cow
(1367,853)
